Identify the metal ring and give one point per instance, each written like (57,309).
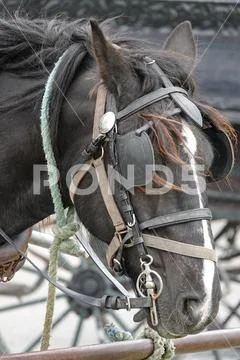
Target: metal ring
(159,280)
(146,263)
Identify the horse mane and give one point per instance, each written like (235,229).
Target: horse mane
(30,48)
(37,43)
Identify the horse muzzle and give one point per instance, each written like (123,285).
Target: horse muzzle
(11,260)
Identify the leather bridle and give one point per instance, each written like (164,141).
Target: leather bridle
(128,231)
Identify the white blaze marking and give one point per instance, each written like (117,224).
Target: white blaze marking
(208,265)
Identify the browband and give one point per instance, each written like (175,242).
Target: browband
(147,100)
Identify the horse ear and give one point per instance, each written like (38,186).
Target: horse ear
(112,68)
(181,41)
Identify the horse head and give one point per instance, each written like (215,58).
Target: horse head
(185,157)
(157,145)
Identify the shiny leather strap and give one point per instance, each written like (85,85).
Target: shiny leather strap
(186,105)
(177,218)
(149,99)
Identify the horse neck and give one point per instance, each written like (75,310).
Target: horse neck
(21,150)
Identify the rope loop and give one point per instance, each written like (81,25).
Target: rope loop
(164,349)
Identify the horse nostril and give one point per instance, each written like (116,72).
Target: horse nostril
(192,309)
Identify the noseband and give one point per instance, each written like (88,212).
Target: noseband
(128,231)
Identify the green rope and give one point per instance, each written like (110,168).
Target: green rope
(66,227)
(72,247)
(47,145)
(114,334)
(61,234)
(163,348)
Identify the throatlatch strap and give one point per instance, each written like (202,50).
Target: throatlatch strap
(77,178)
(177,247)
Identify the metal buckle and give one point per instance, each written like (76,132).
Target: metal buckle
(117,266)
(128,304)
(133,222)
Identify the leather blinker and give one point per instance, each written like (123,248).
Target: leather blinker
(136,159)
(223,160)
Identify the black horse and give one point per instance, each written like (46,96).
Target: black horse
(28,50)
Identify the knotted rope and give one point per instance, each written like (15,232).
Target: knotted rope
(163,348)
(114,334)
(66,227)
(61,238)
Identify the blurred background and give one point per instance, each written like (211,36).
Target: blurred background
(216,24)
